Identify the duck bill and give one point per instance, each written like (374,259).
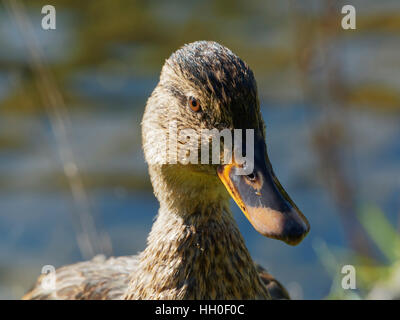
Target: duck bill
(262,198)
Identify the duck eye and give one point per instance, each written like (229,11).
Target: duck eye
(194,104)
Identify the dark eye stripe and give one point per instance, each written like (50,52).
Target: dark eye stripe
(176,93)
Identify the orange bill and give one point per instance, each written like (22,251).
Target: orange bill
(263,200)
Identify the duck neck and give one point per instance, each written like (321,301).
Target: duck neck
(195,252)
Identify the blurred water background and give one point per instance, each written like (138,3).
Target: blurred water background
(330,98)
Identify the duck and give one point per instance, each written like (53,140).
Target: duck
(195,249)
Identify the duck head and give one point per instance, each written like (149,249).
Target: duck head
(205,89)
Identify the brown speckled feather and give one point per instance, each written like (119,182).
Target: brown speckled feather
(276,290)
(97,279)
(101,279)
